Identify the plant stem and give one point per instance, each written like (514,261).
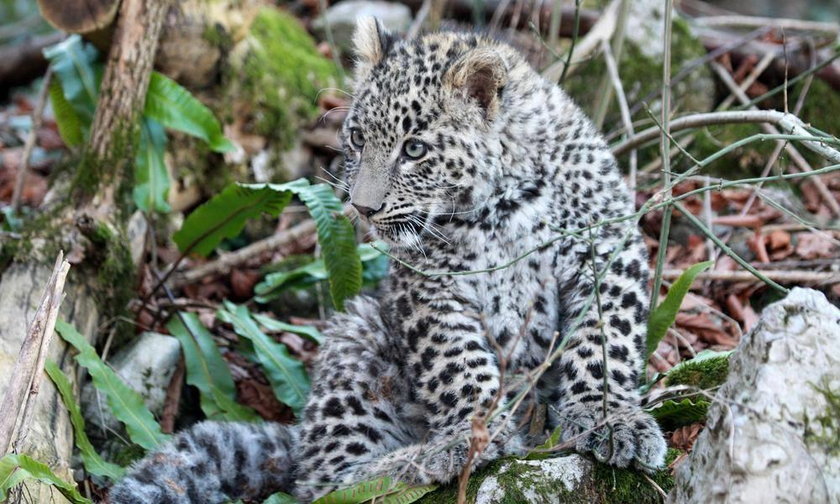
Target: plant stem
(665,149)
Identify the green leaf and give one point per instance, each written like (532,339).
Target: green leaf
(70,127)
(207,370)
(286,374)
(544,450)
(15,468)
(664,315)
(277,325)
(384,490)
(337,239)
(150,176)
(92,461)
(74,63)
(174,107)
(126,404)
(304,276)
(281,498)
(224,216)
(673,414)
(374,268)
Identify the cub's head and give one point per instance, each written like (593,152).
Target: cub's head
(422,137)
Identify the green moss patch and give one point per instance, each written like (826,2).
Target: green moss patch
(279,76)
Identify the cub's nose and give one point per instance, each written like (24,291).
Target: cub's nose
(366,211)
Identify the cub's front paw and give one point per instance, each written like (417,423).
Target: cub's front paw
(627,436)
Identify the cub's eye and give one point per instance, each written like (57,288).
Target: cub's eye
(357,138)
(415,149)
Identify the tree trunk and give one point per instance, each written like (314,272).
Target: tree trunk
(94,230)
(773,432)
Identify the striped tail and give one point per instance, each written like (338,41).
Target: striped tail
(212,462)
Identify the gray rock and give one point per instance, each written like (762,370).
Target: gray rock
(543,481)
(342,17)
(146,365)
(773,431)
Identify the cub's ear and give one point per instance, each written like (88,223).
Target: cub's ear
(481,74)
(372,42)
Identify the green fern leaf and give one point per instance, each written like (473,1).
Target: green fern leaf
(674,414)
(664,315)
(92,461)
(69,125)
(176,108)
(225,215)
(14,469)
(126,404)
(383,490)
(151,180)
(207,370)
(286,374)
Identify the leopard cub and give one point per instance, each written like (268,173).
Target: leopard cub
(499,201)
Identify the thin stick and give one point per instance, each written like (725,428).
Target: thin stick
(226,262)
(728,251)
(575,34)
(797,158)
(612,70)
(31,137)
(665,153)
(800,102)
(787,122)
(24,381)
(756,22)
(616,46)
(782,276)
(746,83)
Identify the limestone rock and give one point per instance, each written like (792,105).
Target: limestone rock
(773,432)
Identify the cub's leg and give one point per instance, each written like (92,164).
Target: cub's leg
(210,463)
(599,408)
(455,376)
(355,412)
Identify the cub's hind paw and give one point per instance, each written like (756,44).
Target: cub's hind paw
(628,436)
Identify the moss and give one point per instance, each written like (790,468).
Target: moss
(642,76)
(705,374)
(821,99)
(625,486)
(825,429)
(607,485)
(277,78)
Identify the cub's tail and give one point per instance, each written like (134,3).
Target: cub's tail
(212,462)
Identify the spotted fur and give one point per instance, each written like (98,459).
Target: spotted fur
(502,229)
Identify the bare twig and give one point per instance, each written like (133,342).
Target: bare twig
(173,398)
(612,71)
(25,377)
(789,123)
(419,19)
(665,153)
(757,21)
(29,144)
(794,154)
(782,276)
(602,30)
(748,81)
(228,261)
(616,47)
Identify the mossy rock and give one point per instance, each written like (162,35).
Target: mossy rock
(275,75)
(571,479)
(270,76)
(706,371)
